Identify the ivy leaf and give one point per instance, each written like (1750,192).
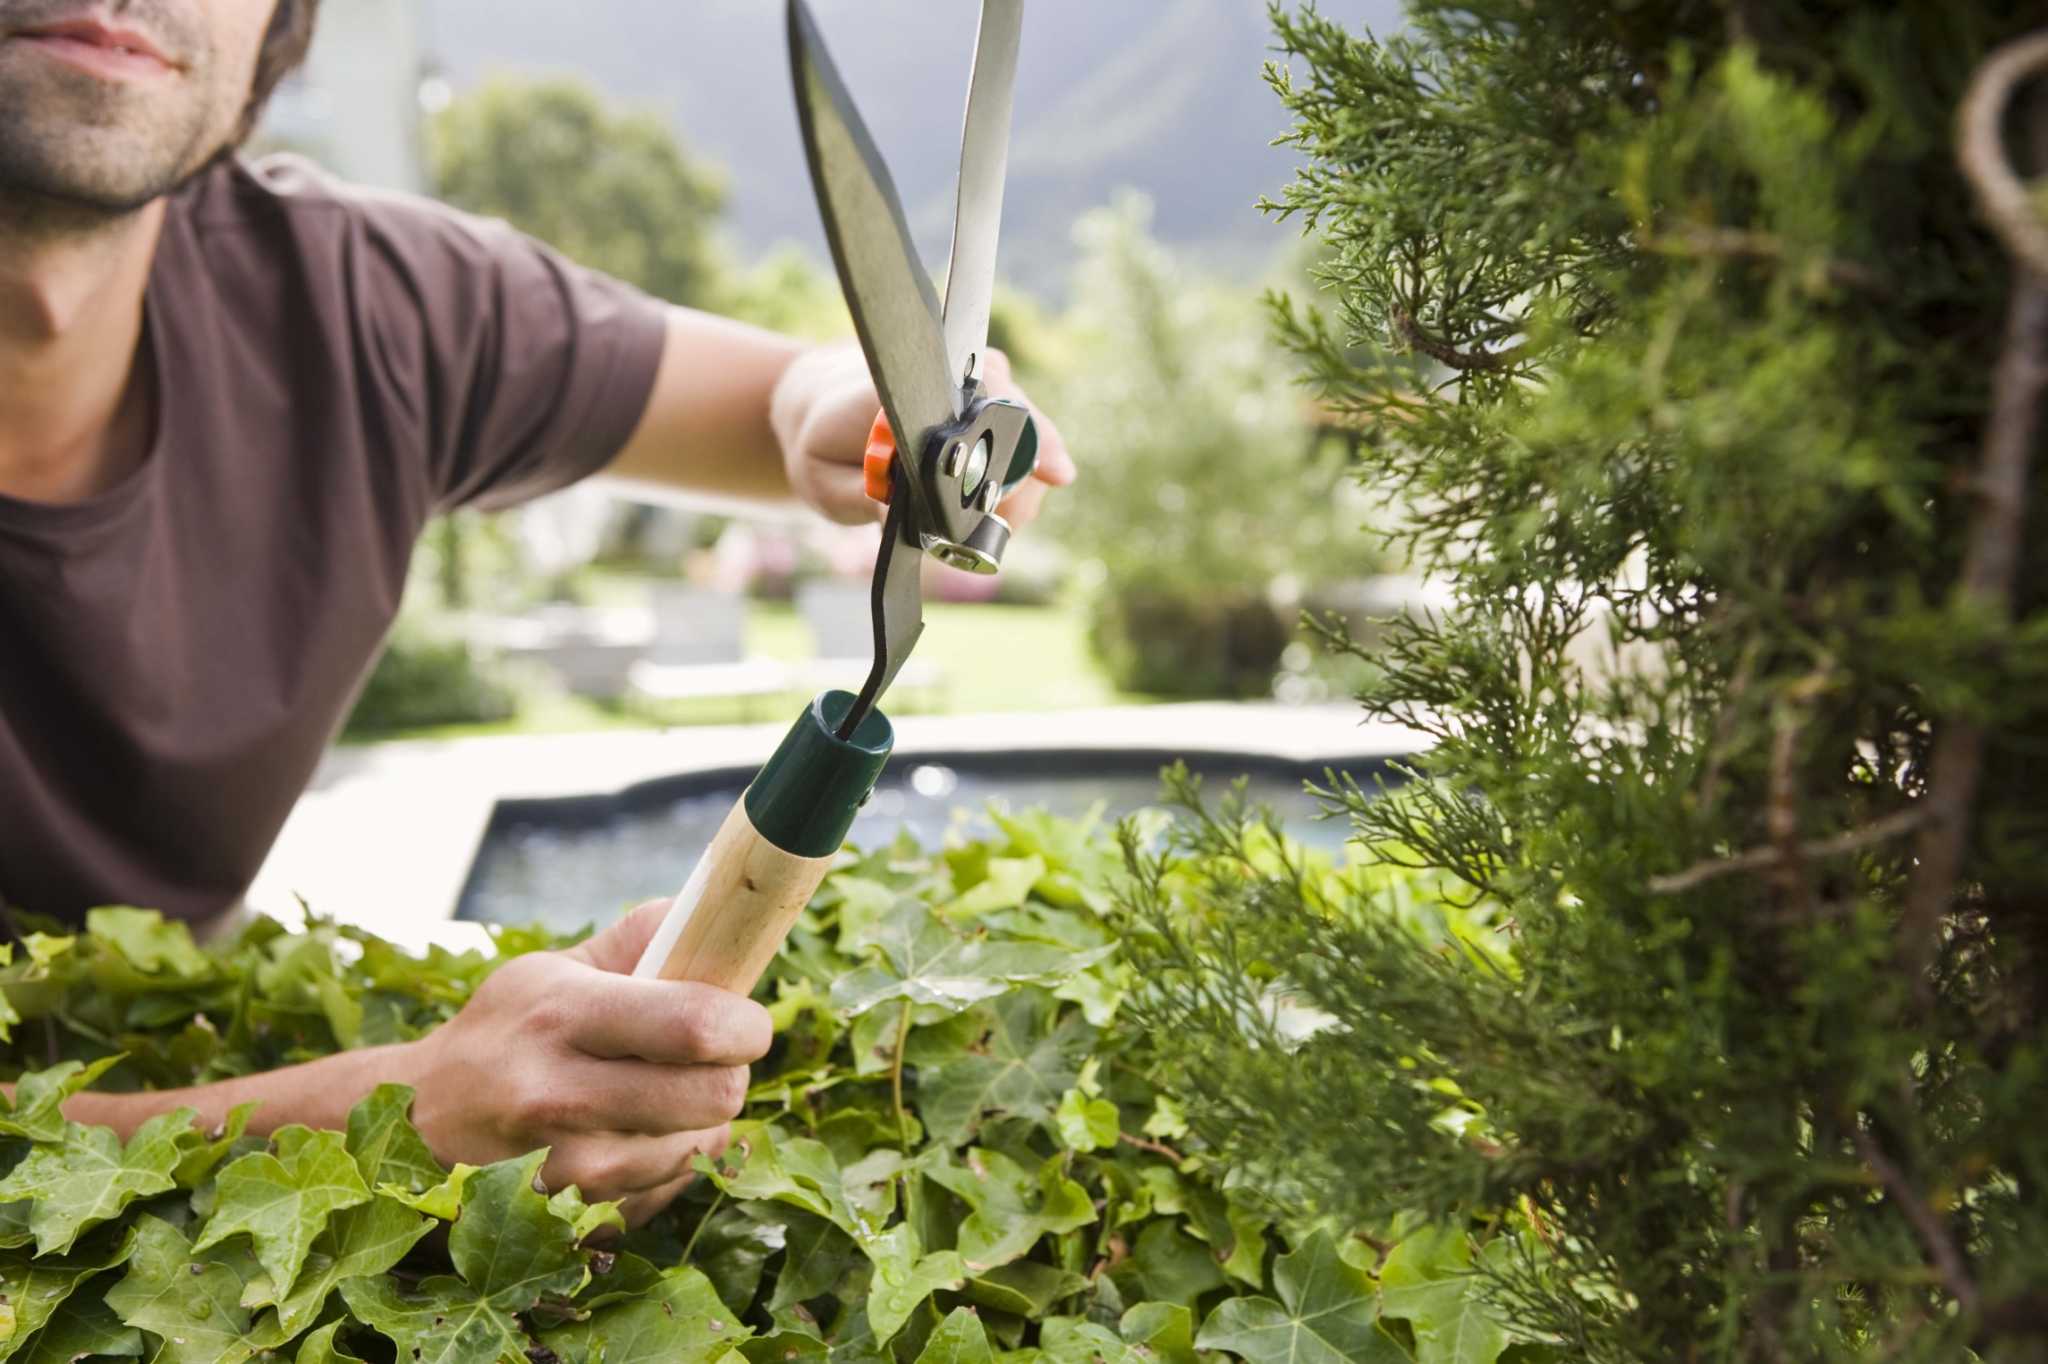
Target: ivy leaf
(959,1339)
(1164,1329)
(442,1200)
(679,1321)
(1326,1315)
(1026,1066)
(585,1218)
(1012,1209)
(1085,1124)
(1169,1265)
(386,1146)
(368,1239)
(282,1201)
(319,1348)
(198,1316)
(84,1327)
(151,943)
(89,1177)
(904,1278)
(1004,884)
(509,1250)
(33,1289)
(202,1153)
(442,1321)
(1026,1288)
(507,1245)
(929,964)
(1428,1282)
(816,1256)
(34,1111)
(1071,1340)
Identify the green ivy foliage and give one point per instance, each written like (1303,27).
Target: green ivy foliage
(957,1153)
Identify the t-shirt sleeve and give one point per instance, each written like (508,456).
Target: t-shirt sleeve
(522,370)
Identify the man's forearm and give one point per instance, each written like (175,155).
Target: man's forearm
(315,1093)
(707,428)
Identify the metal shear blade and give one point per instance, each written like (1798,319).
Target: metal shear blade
(925,365)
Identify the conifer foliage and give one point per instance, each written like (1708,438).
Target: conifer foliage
(1740,1047)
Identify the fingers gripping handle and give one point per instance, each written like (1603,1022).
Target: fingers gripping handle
(772,852)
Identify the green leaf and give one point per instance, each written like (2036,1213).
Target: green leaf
(904,1278)
(679,1321)
(507,1245)
(441,1321)
(89,1177)
(386,1147)
(1428,1282)
(282,1201)
(33,1289)
(1165,1330)
(442,1200)
(1026,1288)
(585,1218)
(959,1339)
(1070,1340)
(817,1255)
(34,1111)
(1169,1265)
(202,1153)
(319,1348)
(367,1239)
(1004,884)
(1326,1315)
(929,964)
(1012,1208)
(198,1317)
(1027,1064)
(84,1327)
(151,943)
(1085,1124)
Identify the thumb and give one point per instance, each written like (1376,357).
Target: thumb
(618,947)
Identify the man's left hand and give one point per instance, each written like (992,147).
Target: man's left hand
(824,406)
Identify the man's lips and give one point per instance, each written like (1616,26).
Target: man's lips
(98,48)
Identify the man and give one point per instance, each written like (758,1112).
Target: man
(230,397)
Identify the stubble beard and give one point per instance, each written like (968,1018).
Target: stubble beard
(79,154)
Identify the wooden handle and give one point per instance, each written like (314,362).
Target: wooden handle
(729,920)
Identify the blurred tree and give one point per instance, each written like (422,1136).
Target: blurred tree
(611,189)
(789,292)
(1198,497)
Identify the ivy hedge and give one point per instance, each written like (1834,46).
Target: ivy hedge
(957,1153)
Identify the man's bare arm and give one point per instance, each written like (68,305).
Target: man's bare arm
(742,415)
(626,1080)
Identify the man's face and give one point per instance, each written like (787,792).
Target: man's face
(106,104)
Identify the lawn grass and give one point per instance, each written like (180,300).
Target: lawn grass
(988,659)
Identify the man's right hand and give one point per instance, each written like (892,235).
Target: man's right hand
(626,1080)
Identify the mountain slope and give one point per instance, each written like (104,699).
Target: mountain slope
(1161,95)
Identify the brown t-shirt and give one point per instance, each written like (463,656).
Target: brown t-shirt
(333,366)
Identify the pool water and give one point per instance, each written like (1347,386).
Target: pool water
(567,863)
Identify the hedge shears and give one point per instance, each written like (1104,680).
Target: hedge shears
(942,455)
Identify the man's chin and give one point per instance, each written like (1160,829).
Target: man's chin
(83,188)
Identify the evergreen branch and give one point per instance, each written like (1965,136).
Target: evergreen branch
(1759,859)
(1444,352)
(1980,147)
(1997,529)
(1697,241)
(1927,1224)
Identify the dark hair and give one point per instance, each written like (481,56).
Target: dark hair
(284,47)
